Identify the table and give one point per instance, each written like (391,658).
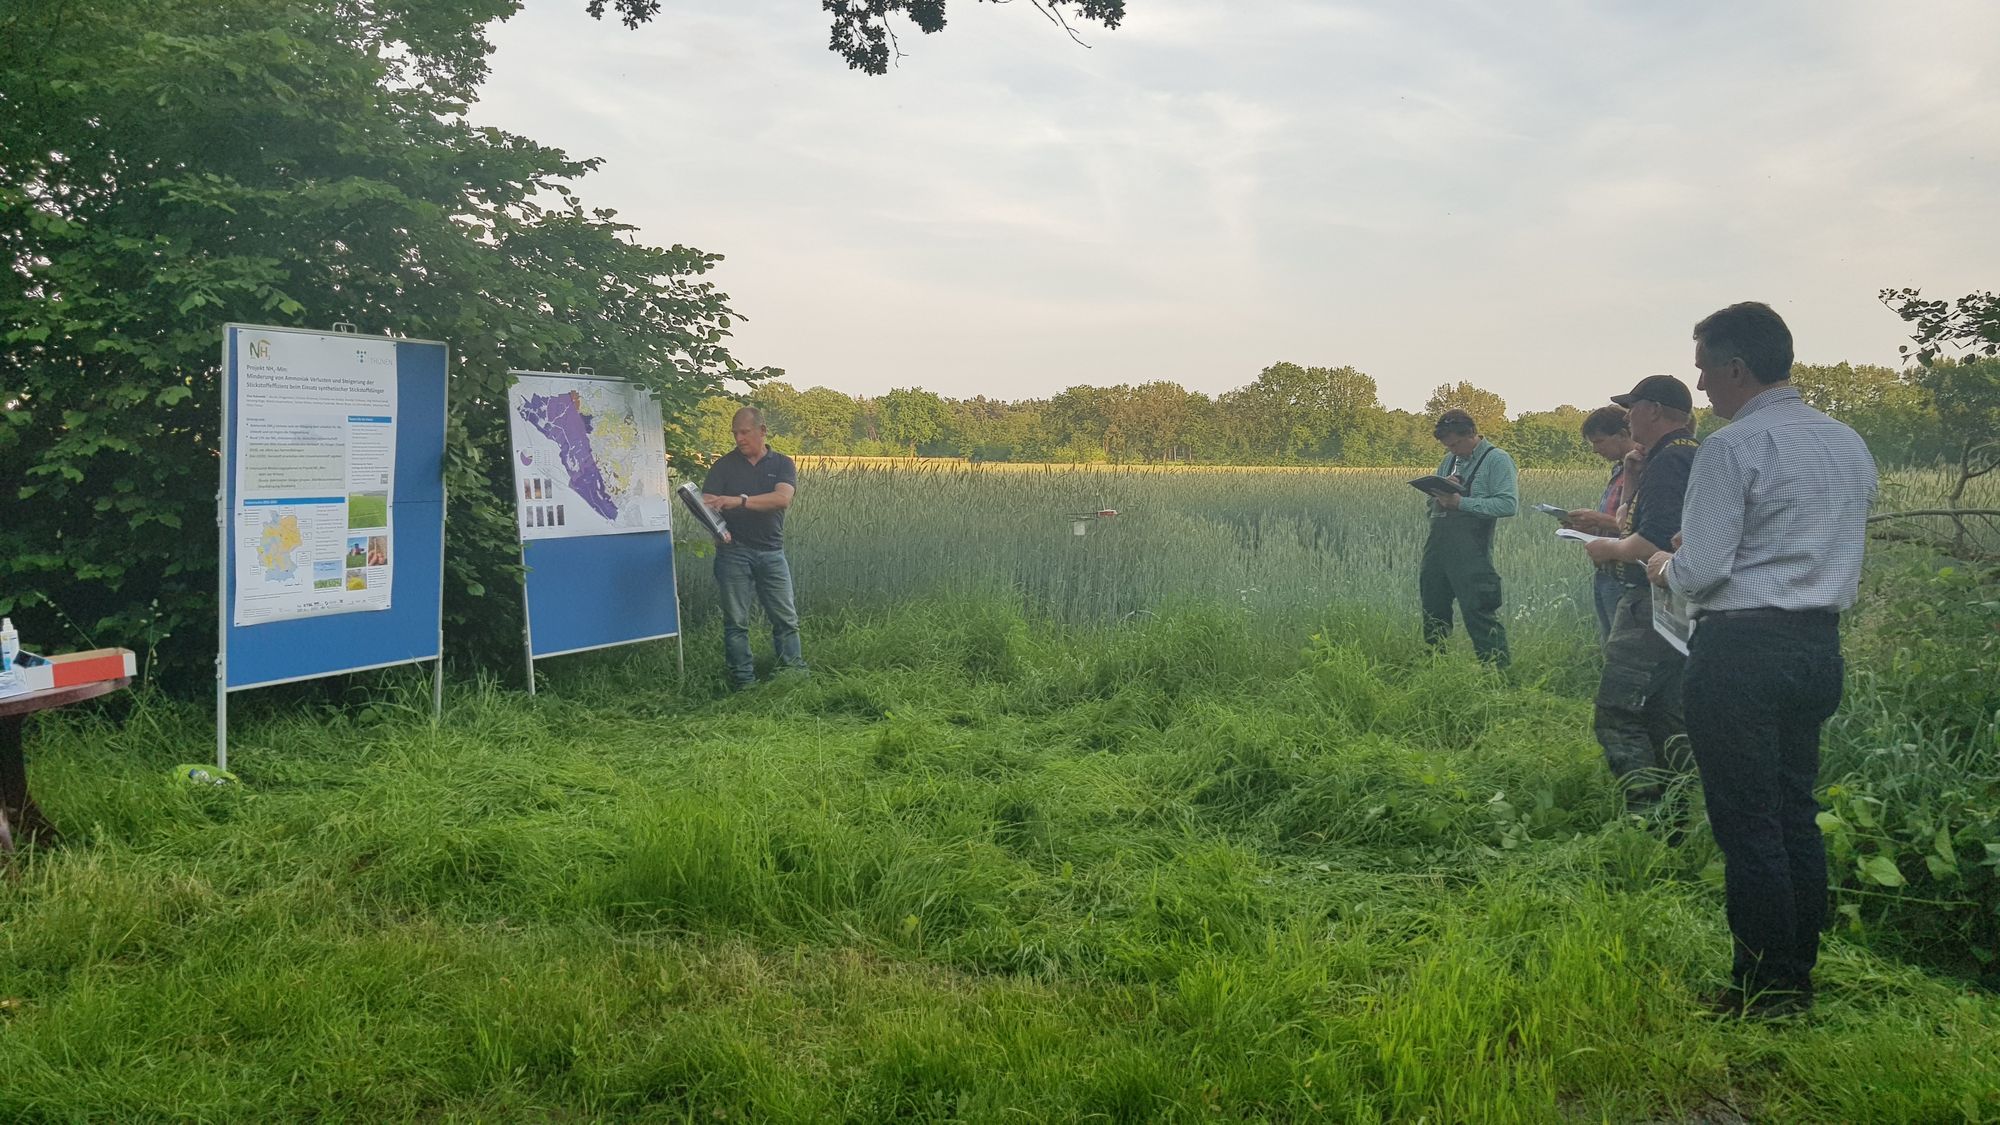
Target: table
(17,805)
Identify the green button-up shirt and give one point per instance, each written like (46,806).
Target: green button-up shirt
(1496,487)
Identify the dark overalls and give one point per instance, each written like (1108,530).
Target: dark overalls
(1458,566)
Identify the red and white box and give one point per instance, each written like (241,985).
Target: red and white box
(74,669)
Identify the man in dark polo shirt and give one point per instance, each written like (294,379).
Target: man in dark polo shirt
(1639,719)
(750,487)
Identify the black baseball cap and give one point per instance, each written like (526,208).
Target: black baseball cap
(1663,389)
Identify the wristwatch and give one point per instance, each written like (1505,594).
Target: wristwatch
(745,497)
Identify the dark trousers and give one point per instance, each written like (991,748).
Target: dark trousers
(1458,567)
(1638,706)
(1758,690)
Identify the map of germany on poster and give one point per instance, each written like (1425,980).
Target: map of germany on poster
(590,457)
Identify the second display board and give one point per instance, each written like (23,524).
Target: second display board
(594,511)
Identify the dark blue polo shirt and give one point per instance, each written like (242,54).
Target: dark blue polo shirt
(734,475)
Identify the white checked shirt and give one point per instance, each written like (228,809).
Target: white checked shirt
(1776,511)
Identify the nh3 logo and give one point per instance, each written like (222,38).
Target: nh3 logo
(260,349)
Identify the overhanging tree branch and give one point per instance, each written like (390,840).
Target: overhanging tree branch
(863,35)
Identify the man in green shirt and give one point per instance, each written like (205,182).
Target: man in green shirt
(1458,554)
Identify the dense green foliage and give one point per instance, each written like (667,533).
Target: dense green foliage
(1914,799)
(167,167)
(1913,763)
(1964,328)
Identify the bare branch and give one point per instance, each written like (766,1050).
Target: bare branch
(1990,513)
(895,44)
(1056,17)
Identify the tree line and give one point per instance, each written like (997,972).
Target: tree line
(1294,415)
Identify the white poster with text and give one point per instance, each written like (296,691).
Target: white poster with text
(315,440)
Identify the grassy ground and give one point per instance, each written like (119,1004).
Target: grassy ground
(1194,867)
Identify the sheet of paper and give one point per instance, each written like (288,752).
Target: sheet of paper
(1670,618)
(1579,536)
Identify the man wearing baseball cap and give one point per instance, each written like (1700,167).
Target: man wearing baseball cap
(1638,714)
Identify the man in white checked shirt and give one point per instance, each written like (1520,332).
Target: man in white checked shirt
(1772,530)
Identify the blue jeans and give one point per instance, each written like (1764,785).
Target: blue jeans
(1605,590)
(744,572)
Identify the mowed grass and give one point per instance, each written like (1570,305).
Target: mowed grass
(1205,860)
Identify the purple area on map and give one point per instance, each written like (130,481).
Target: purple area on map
(562,419)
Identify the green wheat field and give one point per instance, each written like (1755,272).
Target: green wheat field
(1171,821)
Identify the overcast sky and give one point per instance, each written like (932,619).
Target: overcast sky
(1540,196)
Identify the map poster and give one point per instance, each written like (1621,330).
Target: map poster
(315,438)
(590,457)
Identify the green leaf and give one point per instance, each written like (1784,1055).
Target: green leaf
(1881,871)
(1942,846)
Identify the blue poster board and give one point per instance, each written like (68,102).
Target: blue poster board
(587,589)
(600,590)
(412,628)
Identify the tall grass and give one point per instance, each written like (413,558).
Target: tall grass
(1053,833)
(1285,546)
(979,867)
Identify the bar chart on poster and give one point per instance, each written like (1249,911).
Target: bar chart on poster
(594,513)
